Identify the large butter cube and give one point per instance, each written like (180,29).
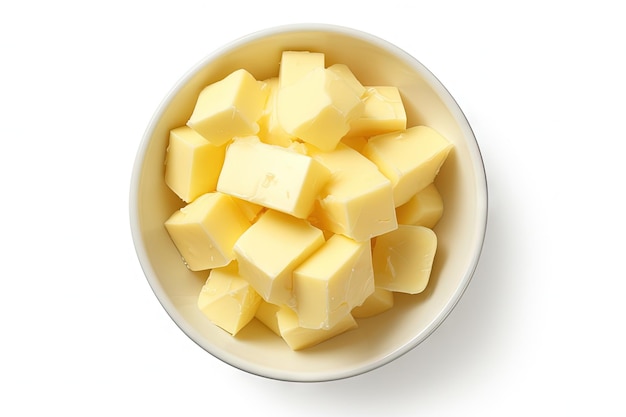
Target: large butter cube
(378,302)
(272,176)
(294,65)
(358,200)
(298,337)
(423,209)
(229,107)
(383,112)
(332,281)
(403,259)
(192,164)
(205,230)
(227,299)
(271,249)
(411,159)
(318,108)
(270,131)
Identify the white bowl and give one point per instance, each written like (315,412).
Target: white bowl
(377,340)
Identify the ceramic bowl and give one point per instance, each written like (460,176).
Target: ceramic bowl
(380,339)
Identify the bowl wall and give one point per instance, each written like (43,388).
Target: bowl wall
(380,339)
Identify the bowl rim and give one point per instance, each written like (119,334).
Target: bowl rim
(451,104)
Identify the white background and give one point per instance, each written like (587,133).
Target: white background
(540,330)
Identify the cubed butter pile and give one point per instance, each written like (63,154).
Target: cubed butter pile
(309,202)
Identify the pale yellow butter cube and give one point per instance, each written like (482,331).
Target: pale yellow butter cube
(272,176)
(294,65)
(423,209)
(344,71)
(227,299)
(229,107)
(298,337)
(192,164)
(318,108)
(411,159)
(383,112)
(403,259)
(270,131)
(205,230)
(271,249)
(266,314)
(358,200)
(332,281)
(378,302)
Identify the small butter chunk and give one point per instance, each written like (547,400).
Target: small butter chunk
(271,176)
(358,200)
(423,209)
(318,108)
(294,65)
(383,112)
(271,249)
(344,72)
(205,230)
(403,259)
(192,164)
(266,314)
(252,211)
(298,337)
(227,299)
(229,107)
(270,131)
(411,159)
(332,281)
(378,302)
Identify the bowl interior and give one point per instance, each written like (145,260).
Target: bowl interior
(379,339)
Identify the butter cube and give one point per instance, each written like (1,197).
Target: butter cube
(272,176)
(266,314)
(227,299)
(294,65)
(344,72)
(298,338)
(357,201)
(378,302)
(318,108)
(411,159)
(229,107)
(192,164)
(383,112)
(271,249)
(205,230)
(270,131)
(423,209)
(403,259)
(332,281)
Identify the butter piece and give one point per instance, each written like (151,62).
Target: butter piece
(294,65)
(355,142)
(192,164)
(205,230)
(298,337)
(403,259)
(344,72)
(332,281)
(318,108)
(229,107)
(270,130)
(383,112)
(358,200)
(411,159)
(266,314)
(252,211)
(228,300)
(423,209)
(271,176)
(378,302)
(271,249)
